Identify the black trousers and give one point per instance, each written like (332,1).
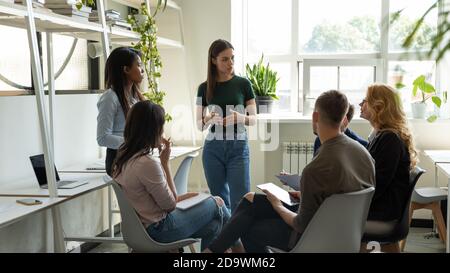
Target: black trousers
(110,156)
(257,224)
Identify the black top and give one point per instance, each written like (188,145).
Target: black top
(348,132)
(392,163)
(231,94)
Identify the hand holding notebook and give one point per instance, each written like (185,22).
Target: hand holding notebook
(292,180)
(280,193)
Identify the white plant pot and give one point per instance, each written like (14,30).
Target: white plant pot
(419,110)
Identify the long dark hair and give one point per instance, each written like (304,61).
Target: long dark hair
(143,130)
(115,77)
(214,50)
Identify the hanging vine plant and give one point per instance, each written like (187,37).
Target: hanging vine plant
(87,3)
(145,24)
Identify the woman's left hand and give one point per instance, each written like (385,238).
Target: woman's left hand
(273,199)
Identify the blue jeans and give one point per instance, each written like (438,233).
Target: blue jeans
(203,221)
(227,171)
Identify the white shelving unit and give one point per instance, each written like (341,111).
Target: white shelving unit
(33,20)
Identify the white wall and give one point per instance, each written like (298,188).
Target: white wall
(75,132)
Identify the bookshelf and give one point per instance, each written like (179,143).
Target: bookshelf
(41,20)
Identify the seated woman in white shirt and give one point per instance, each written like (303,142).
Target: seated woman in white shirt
(149,186)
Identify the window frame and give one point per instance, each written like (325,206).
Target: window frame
(381,58)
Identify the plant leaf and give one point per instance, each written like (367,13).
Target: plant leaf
(414,91)
(399,85)
(432,118)
(427,88)
(436,100)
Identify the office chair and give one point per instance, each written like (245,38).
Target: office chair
(396,231)
(181,177)
(337,226)
(134,233)
(429,198)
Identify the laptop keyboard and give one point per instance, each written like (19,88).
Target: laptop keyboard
(64,183)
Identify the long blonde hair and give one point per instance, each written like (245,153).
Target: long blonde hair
(387,113)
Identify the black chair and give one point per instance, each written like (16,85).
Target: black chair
(389,240)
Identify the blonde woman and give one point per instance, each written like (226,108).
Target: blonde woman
(393,150)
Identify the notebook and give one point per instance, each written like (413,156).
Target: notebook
(190,202)
(292,180)
(279,193)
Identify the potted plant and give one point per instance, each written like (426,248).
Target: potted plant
(264,83)
(145,25)
(427,91)
(397,77)
(87,3)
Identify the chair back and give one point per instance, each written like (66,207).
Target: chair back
(338,224)
(401,230)
(181,178)
(134,233)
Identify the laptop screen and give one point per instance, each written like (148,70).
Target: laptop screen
(38,164)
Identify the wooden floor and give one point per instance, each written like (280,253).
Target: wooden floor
(418,241)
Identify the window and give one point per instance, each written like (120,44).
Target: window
(349,30)
(75,74)
(349,76)
(268,28)
(15,64)
(14,58)
(406,72)
(314,48)
(411,11)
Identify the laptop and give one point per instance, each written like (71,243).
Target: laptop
(38,163)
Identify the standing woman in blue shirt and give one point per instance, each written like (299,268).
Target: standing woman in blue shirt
(225,104)
(123,74)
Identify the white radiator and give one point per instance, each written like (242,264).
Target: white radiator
(296,154)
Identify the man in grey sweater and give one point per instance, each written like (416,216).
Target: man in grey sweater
(342,165)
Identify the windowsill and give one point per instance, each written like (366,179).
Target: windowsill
(300,118)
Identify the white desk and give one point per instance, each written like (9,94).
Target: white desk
(11,212)
(27,189)
(437,156)
(177,151)
(445,168)
(30,188)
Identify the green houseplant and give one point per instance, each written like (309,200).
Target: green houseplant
(440,41)
(427,91)
(264,83)
(145,25)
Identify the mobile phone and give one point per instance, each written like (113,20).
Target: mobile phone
(29,201)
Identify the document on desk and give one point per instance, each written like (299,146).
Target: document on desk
(280,193)
(98,165)
(292,180)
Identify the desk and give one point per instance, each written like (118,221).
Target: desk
(97,180)
(11,212)
(177,151)
(445,168)
(28,188)
(437,156)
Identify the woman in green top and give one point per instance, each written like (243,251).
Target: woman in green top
(225,104)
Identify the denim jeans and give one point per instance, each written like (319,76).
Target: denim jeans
(227,169)
(203,221)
